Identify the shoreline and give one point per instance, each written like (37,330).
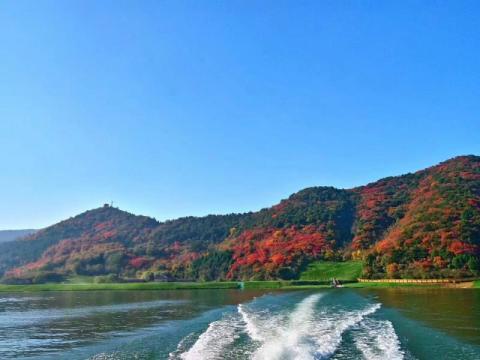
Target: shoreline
(247,285)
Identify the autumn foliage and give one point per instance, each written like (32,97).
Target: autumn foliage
(425,224)
(261,253)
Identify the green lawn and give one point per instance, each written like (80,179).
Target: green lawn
(79,279)
(326,270)
(347,271)
(120,286)
(265,284)
(284,285)
(391,285)
(311,285)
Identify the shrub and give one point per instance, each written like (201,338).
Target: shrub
(474,265)
(44,277)
(110,278)
(392,271)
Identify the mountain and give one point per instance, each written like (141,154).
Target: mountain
(9,235)
(70,242)
(424,224)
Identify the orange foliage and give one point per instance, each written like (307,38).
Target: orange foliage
(458,247)
(273,248)
(139,262)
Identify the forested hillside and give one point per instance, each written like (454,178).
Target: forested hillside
(425,224)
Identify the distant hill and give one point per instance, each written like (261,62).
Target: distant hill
(9,235)
(420,225)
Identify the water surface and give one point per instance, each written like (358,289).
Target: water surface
(249,324)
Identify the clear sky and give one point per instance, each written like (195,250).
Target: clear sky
(172,108)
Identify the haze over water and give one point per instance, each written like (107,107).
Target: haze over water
(234,324)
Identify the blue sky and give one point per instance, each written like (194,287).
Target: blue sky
(172,108)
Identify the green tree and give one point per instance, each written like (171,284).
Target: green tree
(114,262)
(459,261)
(474,265)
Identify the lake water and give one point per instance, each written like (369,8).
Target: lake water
(235,324)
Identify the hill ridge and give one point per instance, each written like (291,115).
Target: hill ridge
(420,224)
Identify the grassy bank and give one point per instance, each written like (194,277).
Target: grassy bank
(79,279)
(311,286)
(265,284)
(393,285)
(119,286)
(299,285)
(291,284)
(77,286)
(326,270)
(260,285)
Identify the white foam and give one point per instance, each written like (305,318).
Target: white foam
(250,324)
(305,333)
(22,299)
(377,340)
(308,332)
(292,339)
(331,328)
(212,342)
(181,346)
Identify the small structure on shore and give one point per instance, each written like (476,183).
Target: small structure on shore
(336,283)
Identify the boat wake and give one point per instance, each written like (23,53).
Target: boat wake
(212,343)
(377,340)
(309,330)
